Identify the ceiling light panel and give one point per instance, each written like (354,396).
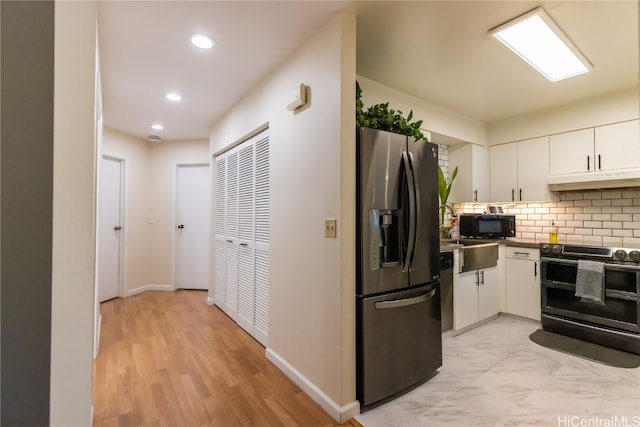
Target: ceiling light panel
(536,39)
(173,97)
(157,126)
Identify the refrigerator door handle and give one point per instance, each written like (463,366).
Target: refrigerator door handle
(411,240)
(405,302)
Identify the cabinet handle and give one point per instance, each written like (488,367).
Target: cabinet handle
(513,195)
(475,195)
(588,163)
(521,194)
(477,278)
(521,253)
(482,274)
(599,163)
(244,244)
(535,269)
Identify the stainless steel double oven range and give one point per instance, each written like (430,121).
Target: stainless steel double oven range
(616,323)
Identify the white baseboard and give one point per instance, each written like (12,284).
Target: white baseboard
(145,288)
(210,301)
(339,413)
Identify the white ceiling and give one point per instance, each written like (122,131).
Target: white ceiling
(437,51)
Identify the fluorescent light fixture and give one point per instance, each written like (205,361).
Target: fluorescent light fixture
(203,41)
(173,97)
(157,126)
(536,39)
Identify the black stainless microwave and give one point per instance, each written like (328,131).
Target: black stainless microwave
(475,225)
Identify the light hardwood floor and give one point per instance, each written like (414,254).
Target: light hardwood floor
(166,358)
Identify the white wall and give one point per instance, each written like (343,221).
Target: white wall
(150,192)
(312,279)
(435,118)
(609,108)
(74,208)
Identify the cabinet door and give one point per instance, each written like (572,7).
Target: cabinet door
(504,172)
(219,229)
(523,287)
(533,170)
(488,293)
(571,152)
(246,291)
(471,184)
(465,299)
(618,146)
(262,221)
(480,174)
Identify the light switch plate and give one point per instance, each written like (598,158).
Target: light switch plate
(330,228)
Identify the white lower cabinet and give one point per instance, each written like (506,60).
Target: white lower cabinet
(523,282)
(476,296)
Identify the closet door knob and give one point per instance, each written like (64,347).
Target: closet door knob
(181,226)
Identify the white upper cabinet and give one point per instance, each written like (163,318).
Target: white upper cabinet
(503,171)
(519,170)
(533,170)
(571,152)
(617,146)
(604,148)
(472,182)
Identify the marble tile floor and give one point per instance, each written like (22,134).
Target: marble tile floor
(494,375)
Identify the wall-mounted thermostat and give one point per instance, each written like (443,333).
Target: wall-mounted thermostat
(297,98)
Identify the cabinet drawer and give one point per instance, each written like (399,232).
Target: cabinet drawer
(532,254)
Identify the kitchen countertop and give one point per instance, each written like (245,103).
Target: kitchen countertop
(451,245)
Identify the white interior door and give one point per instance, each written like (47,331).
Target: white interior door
(109,228)
(192,227)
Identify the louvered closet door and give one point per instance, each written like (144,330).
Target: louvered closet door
(231,233)
(246,238)
(261,283)
(220,230)
(242,235)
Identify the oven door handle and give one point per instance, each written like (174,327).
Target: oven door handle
(559,261)
(547,260)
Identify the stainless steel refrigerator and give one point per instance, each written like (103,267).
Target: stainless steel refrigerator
(398,332)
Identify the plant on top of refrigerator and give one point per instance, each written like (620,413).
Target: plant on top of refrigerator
(381,117)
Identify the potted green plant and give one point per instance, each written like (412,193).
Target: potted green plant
(381,117)
(444,189)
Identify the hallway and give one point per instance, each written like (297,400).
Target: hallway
(166,358)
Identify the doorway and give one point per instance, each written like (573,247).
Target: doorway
(192,226)
(110,205)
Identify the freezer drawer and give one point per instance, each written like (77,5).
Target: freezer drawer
(399,343)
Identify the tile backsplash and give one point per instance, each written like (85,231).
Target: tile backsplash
(594,217)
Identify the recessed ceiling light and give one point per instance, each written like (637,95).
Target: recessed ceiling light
(536,39)
(157,126)
(203,41)
(173,97)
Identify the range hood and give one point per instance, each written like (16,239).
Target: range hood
(595,180)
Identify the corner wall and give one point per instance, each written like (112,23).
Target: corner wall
(149,195)
(74,210)
(312,279)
